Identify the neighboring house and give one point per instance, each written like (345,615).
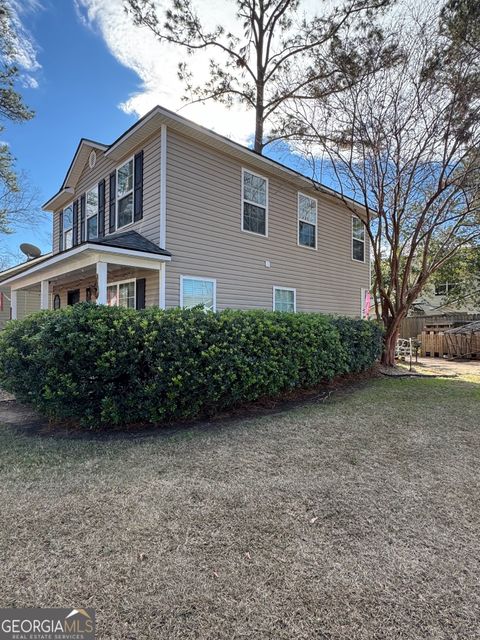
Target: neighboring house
(433,302)
(174,214)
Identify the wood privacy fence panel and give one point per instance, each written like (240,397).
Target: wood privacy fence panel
(465,345)
(413,327)
(433,344)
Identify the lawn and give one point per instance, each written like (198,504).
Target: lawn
(356,518)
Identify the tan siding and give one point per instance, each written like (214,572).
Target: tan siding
(27,302)
(152,284)
(55,232)
(149,226)
(204,235)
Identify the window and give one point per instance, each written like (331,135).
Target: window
(254,196)
(358,240)
(125,194)
(444,288)
(68,227)
(284,299)
(307,221)
(92,213)
(121,294)
(198,291)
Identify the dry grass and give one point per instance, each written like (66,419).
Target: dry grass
(354,519)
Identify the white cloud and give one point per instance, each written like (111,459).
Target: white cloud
(156,65)
(26,49)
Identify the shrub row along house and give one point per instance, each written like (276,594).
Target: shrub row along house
(173,214)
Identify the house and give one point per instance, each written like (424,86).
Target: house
(174,214)
(433,301)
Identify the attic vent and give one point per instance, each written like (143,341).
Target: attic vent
(92,159)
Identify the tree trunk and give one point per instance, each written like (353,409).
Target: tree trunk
(389,344)
(259,116)
(392,329)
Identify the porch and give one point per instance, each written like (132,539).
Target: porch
(126,269)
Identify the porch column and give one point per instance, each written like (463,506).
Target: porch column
(44,294)
(161,292)
(102,282)
(13,303)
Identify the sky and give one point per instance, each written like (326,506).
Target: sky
(87,71)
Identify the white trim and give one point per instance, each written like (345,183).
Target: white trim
(13,304)
(87,191)
(163,282)
(22,265)
(44,294)
(278,288)
(67,206)
(201,279)
(88,246)
(125,195)
(255,204)
(364,241)
(304,246)
(102,279)
(163,186)
(117,284)
(70,191)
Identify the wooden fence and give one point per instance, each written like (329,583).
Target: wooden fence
(413,327)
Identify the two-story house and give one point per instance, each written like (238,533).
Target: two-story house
(174,214)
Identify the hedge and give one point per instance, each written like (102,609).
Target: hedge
(102,365)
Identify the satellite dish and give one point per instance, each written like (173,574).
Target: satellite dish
(30,250)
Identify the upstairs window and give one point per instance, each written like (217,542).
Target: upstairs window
(121,294)
(125,194)
(92,213)
(198,291)
(358,240)
(68,227)
(254,197)
(307,221)
(284,299)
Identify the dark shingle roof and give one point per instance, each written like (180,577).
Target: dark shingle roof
(130,240)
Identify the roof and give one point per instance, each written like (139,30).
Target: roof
(131,240)
(23,266)
(466,328)
(150,123)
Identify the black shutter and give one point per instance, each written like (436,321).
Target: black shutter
(140,301)
(75,223)
(138,187)
(60,231)
(82,219)
(101,208)
(113,190)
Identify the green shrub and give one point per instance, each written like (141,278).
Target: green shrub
(109,365)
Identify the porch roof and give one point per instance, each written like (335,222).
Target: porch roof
(128,249)
(131,240)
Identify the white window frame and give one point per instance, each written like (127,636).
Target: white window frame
(201,279)
(364,241)
(304,246)
(117,198)
(279,288)
(94,188)
(117,283)
(255,204)
(64,244)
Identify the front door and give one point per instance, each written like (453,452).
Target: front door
(73,296)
